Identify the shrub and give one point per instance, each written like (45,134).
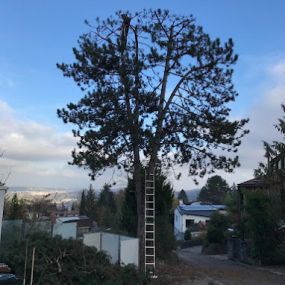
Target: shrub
(61,261)
(262,227)
(216,228)
(187,235)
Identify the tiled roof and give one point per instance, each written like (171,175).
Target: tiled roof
(72,219)
(198,209)
(255,182)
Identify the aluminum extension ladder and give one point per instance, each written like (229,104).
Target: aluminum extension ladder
(149,222)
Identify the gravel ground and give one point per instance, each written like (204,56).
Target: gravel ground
(221,271)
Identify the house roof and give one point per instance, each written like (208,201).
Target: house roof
(199,209)
(206,214)
(252,183)
(72,219)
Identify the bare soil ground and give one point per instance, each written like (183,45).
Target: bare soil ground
(193,268)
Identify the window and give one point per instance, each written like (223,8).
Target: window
(189,223)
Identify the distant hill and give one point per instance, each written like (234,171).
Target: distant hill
(57,195)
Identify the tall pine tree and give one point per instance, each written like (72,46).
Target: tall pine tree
(155,84)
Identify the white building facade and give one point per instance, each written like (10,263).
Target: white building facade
(186,216)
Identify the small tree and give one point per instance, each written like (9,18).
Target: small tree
(164,213)
(273,173)
(82,206)
(261,225)
(90,204)
(129,219)
(106,207)
(187,235)
(183,196)
(217,227)
(17,208)
(214,191)
(42,206)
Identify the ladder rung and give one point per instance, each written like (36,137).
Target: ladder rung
(149,224)
(149,246)
(149,239)
(150,255)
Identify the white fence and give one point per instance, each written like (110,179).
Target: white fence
(121,249)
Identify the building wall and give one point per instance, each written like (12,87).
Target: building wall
(122,249)
(180,221)
(92,239)
(65,230)
(177,222)
(197,219)
(129,251)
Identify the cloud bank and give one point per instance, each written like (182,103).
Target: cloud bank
(36,154)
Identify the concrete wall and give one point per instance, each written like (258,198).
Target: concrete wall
(65,230)
(129,251)
(110,243)
(92,239)
(120,249)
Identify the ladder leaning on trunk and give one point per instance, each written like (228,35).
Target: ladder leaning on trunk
(149,223)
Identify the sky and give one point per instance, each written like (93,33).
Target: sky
(35,35)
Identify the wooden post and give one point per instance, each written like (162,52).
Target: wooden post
(33,263)
(25,267)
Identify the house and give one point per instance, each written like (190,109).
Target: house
(73,226)
(197,213)
(272,183)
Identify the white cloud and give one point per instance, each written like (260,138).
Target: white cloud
(37,155)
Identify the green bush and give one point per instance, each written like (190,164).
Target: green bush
(217,227)
(187,235)
(60,261)
(261,227)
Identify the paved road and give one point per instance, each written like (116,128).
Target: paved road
(221,271)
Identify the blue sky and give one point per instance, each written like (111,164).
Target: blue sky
(35,35)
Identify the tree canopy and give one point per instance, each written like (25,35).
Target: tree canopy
(214,191)
(153,82)
(272,173)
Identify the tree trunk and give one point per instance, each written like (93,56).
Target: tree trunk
(140,211)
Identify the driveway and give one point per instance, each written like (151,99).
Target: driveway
(221,271)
